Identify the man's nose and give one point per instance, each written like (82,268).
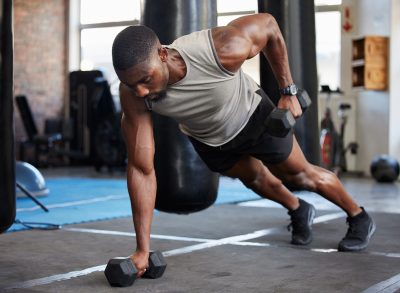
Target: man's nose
(141,91)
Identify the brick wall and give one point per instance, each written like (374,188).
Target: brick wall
(40,58)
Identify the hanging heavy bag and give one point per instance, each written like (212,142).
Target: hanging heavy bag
(7,157)
(184,183)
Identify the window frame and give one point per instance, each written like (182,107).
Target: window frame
(75,32)
(75,29)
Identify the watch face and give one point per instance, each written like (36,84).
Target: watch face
(293,89)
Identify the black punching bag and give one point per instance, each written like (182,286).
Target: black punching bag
(184,183)
(296,20)
(7,159)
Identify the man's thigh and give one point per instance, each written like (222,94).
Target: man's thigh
(246,168)
(292,166)
(267,149)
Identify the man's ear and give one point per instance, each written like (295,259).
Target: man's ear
(163,53)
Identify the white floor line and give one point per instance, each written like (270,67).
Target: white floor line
(54,278)
(388,286)
(388,254)
(321,250)
(74,203)
(183,250)
(128,234)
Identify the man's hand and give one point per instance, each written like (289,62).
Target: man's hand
(292,104)
(141,261)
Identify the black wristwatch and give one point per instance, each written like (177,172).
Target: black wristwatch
(290,90)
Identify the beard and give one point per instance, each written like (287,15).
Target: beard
(157,97)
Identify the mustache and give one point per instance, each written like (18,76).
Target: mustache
(157,97)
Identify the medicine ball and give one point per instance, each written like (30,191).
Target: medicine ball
(384,168)
(30,178)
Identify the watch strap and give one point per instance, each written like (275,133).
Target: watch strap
(290,90)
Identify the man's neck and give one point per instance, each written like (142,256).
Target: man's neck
(176,66)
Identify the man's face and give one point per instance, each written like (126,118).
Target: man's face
(148,79)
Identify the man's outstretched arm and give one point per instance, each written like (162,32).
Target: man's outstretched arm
(137,128)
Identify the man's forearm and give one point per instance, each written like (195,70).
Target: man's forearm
(142,191)
(276,53)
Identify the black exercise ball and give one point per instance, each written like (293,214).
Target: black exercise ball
(384,168)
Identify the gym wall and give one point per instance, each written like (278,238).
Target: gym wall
(376,112)
(40,58)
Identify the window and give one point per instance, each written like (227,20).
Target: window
(231,6)
(327,2)
(328,42)
(96,49)
(99,21)
(100,11)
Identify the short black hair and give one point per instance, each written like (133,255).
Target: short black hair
(133,45)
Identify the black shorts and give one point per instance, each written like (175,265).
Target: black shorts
(269,149)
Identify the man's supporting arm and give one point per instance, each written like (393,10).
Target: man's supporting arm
(137,128)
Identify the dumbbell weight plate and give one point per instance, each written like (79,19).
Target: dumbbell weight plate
(280,122)
(304,99)
(157,265)
(120,272)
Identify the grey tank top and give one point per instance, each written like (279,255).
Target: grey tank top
(210,103)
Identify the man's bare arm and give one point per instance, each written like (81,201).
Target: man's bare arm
(247,36)
(137,128)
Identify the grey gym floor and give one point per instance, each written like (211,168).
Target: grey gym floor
(226,248)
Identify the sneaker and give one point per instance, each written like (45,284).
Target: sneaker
(301,223)
(361,229)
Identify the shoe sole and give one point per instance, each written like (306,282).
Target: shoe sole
(360,247)
(311,216)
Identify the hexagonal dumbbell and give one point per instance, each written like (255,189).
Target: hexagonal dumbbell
(121,271)
(280,121)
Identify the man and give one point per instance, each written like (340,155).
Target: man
(198,81)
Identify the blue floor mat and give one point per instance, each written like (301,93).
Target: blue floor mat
(77,200)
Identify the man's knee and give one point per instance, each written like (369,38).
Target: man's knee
(254,176)
(311,178)
(262,179)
